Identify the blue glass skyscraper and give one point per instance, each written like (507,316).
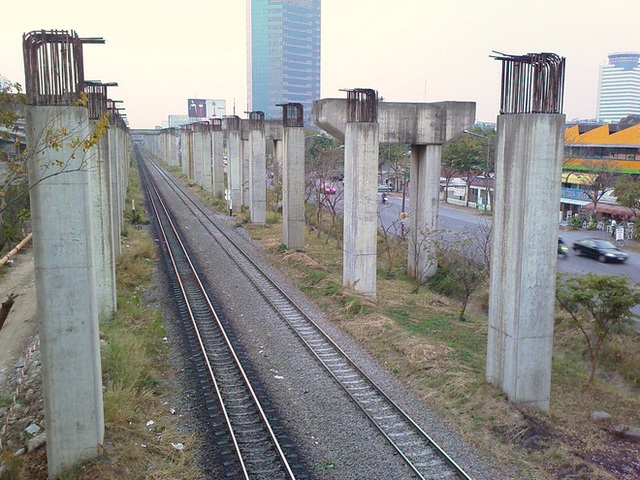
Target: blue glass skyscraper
(283,43)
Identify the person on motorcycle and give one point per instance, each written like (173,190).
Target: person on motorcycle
(384,198)
(563,248)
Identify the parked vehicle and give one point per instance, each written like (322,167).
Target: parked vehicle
(563,248)
(383,188)
(603,250)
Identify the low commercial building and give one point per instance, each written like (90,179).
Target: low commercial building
(593,151)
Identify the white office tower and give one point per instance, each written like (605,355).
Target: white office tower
(619,87)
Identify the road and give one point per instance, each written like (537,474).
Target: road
(457,219)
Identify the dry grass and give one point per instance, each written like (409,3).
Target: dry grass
(138,385)
(418,337)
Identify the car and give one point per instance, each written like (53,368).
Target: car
(383,188)
(603,250)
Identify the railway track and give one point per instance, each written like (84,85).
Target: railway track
(419,451)
(248,445)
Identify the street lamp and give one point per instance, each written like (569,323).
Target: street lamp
(486,166)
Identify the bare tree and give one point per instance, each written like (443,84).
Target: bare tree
(325,167)
(392,236)
(422,254)
(604,181)
(465,256)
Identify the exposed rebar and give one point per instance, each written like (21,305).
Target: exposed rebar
(531,83)
(292,114)
(362,105)
(53,66)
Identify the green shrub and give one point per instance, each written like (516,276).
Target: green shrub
(576,222)
(445,283)
(352,305)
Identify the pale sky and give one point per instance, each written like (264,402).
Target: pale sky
(161,53)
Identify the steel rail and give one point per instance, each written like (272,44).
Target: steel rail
(324,349)
(197,330)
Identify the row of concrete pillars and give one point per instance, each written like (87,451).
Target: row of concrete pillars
(528,160)
(77,199)
(203,150)
(524,234)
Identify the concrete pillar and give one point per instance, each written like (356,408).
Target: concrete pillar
(201,155)
(101,219)
(257,176)
(293,184)
(422,219)
(207,159)
(190,154)
(234,160)
(245,152)
(360,209)
(523,271)
(66,294)
(173,142)
(115,188)
(217,163)
(184,151)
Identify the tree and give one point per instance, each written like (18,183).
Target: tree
(392,237)
(448,168)
(464,155)
(627,191)
(318,144)
(14,185)
(603,182)
(597,304)
(393,156)
(325,163)
(465,258)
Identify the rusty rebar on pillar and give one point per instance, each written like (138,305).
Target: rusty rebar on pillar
(292,114)
(97,93)
(256,119)
(216,124)
(362,105)
(232,122)
(115,117)
(531,83)
(53,66)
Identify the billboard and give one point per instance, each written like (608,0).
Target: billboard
(197,108)
(203,108)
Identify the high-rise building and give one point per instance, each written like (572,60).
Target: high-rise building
(283,55)
(619,87)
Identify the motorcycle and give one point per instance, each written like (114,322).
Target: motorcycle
(384,198)
(563,248)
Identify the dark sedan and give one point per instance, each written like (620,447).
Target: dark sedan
(603,250)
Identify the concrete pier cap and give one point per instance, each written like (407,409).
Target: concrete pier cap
(401,122)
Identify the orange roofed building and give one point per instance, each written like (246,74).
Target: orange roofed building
(590,149)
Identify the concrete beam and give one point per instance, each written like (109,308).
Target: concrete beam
(411,123)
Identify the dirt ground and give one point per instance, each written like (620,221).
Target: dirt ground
(18,277)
